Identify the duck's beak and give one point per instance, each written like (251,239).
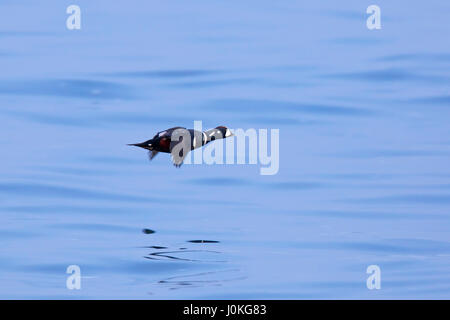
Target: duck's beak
(228,133)
(146,145)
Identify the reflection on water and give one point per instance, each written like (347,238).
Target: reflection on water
(148,231)
(195,254)
(214,278)
(364,151)
(156,247)
(180,255)
(186,254)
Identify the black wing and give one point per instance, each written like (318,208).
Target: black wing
(179,149)
(166,133)
(178,160)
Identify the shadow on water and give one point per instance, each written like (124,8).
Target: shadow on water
(177,255)
(184,254)
(197,251)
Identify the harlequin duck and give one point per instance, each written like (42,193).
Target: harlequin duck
(176,140)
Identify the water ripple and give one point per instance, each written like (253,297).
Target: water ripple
(387,75)
(261,106)
(166,74)
(44,190)
(86,89)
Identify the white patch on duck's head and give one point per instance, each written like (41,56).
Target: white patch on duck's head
(228,133)
(225,131)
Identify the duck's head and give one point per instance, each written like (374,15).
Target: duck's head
(146,145)
(225,131)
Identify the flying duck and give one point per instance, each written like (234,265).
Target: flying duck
(177,139)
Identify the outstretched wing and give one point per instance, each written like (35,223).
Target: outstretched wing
(178,161)
(178,151)
(179,146)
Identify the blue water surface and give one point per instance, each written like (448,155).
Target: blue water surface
(364,175)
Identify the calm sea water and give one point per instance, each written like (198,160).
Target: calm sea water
(364,150)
